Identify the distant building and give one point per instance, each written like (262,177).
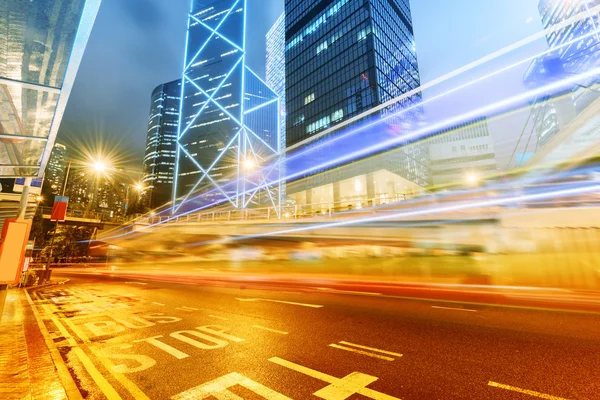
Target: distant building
(161,144)
(462,151)
(54,177)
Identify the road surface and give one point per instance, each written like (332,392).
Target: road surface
(136,339)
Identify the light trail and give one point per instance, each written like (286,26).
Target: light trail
(415,213)
(430,84)
(421,88)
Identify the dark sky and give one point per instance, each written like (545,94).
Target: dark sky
(137,44)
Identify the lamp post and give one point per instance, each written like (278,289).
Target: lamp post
(98,167)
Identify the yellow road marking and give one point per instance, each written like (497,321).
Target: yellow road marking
(102,383)
(371,348)
(366,353)
(136,392)
(269,329)
(525,391)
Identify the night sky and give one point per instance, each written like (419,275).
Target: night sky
(138,44)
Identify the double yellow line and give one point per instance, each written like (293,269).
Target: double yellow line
(103,384)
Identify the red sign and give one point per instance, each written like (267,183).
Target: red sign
(59,209)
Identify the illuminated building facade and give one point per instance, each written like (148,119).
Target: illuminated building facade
(275,66)
(574,50)
(41,45)
(275,78)
(54,177)
(461,152)
(161,144)
(229,117)
(343,58)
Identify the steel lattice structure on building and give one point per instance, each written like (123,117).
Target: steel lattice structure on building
(229,131)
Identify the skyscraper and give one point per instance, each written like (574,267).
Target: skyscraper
(574,50)
(344,57)
(161,144)
(229,123)
(275,66)
(54,176)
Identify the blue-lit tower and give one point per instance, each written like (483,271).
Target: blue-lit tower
(228,139)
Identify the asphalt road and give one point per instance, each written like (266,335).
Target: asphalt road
(143,339)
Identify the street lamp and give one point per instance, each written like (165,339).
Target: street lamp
(472,178)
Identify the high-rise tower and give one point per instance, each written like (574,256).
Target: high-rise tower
(161,144)
(229,124)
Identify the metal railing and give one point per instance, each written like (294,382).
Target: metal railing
(299,211)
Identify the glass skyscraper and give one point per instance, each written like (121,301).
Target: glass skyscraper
(161,144)
(275,66)
(229,122)
(41,45)
(54,177)
(344,57)
(575,49)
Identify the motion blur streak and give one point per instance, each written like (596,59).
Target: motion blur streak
(544,195)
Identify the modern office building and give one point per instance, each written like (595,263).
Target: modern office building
(275,78)
(161,144)
(54,177)
(229,122)
(41,45)
(275,66)
(462,153)
(574,50)
(344,58)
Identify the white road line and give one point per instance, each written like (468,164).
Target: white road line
(283,302)
(269,329)
(366,353)
(217,317)
(348,292)
(455,309)
(525,391)
(371,348)
(339,388)
(157,303)
(186,308)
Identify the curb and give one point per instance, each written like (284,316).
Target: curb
(63,371)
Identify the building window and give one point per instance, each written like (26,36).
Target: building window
(337,115)
(309,99)
(321,47)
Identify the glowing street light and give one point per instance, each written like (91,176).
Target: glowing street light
(472,178)
(249,164)
(99,167)
(139,187)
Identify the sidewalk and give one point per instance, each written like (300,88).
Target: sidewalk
(28,368)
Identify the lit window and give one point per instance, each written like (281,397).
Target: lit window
(309,99)
(321,47)
(337,115)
